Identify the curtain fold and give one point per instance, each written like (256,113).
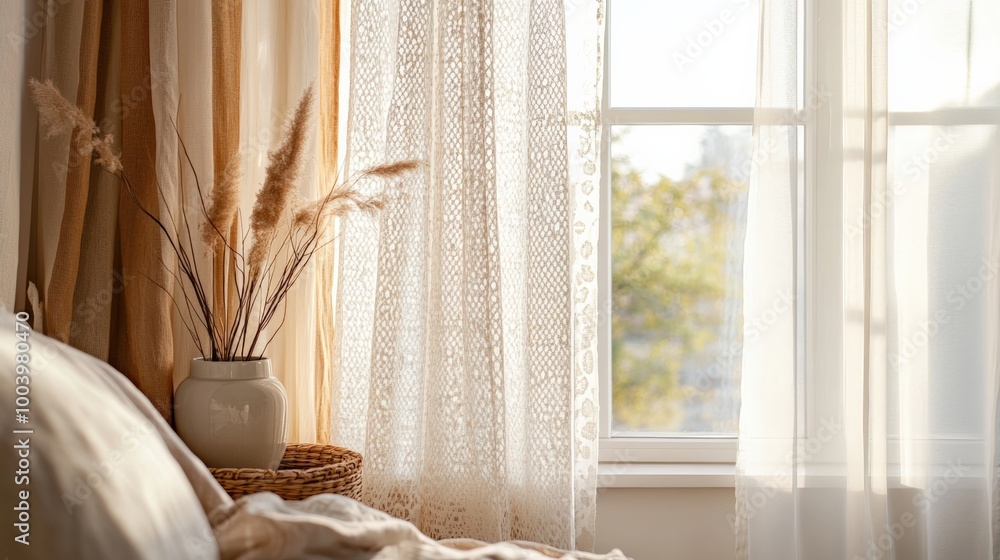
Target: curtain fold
(13,94)
(142,348)
(869,416)
(151,74)
(192,35)
(60,40)
(76,174)
(584,68)
(227,38)
(281,58)
(328,144)
(98,262)
(23,58)
(465,316)
(98,280)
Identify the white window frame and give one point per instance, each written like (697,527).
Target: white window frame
(710,461)
(702,460)
(673,461)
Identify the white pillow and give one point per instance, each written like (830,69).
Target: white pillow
(101,482)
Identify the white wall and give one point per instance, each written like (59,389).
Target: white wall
(666,523)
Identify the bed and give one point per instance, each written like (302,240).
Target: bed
(92,471)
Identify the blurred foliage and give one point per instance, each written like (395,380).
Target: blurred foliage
(669,250)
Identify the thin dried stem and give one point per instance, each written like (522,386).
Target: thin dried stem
(232,315)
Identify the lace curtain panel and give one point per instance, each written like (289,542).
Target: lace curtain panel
(868,428)
(465,368)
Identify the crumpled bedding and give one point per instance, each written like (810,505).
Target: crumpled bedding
(328,526)
(139,501)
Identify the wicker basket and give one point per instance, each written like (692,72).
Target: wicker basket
(305,470)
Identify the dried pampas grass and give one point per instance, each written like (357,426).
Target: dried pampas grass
(283,169)
(345,198)
(224,201)
(393,169)
(59,116)
(257,281)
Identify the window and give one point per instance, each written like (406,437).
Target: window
(679,90)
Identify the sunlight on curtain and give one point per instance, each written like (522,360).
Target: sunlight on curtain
(868,427)
(280,60)
(181,63)
(467,316)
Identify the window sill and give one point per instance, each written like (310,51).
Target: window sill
(666,475)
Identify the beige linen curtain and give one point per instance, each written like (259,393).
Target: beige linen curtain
(224,74)
(86,271)
(281,57)
(17,55)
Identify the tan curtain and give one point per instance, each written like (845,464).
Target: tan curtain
(94,257)
(20,57)
(144,345)
(329,107)
(141,69)
(227,22)
(60,40)
(58,312)
(97,279)
(10,165)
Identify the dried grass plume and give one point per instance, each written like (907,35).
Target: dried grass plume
(59,116)
(252,285)
(223,205)
(283,170)
(393,169)
(345,198)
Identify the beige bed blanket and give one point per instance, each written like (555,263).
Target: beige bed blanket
(94,496)
(264,527)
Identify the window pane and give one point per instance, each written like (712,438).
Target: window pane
(943,54)
(942,185)
(679,201)
(679,53)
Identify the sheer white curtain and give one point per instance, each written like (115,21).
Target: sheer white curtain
(466,316)
(868,427)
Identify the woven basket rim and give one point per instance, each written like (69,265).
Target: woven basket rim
(346,458)
(337,471)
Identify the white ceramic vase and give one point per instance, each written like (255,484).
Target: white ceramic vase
(232,414)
